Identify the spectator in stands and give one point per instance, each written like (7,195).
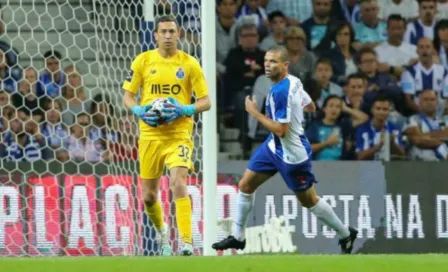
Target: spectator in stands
(22,141)
(378,83)
(260,90)
(126,148)
(30,96)
(52,78)
(254,9)
(190,41)
(408,9)
(370,135)
(103,121)
(317,26)
(442,9)
(244,63)
(6,111)
(8,82)
(424,26)
(425,75)
(82,145)
(355,90)
(74,98)
(323,75)
(55,131)
(277,24)
(302,61)
(426,131)
(225,19)
(370,31)
(342,56)
(296,11)
(395,54)
(346,11)
(441,41)
(331,136)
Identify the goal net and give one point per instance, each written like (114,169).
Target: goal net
(69,180)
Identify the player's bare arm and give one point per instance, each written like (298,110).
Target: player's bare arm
(129,99)
(203,104)
(279,129)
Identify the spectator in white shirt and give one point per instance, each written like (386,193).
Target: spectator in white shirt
(424,26)
(426,131)
(395,54)
(408,9)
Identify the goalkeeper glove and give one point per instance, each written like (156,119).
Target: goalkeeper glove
(174,110)
(150,118)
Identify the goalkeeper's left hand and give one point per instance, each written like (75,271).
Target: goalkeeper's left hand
(174,110)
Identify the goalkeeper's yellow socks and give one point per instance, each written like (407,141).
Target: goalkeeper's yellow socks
(183,218)
(155,214)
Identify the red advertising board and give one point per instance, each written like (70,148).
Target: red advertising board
(12,242)
(118,204)
(90,216)
(44,216)
(80,207)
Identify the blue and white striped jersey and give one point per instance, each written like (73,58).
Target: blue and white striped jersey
(30,151)
(417,79)
(284,104)
(417,30)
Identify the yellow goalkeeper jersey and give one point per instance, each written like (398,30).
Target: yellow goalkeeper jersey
(177,76)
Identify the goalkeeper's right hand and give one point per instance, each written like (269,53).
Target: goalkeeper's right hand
(144,113)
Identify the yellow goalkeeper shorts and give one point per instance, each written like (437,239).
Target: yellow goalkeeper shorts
(155,154)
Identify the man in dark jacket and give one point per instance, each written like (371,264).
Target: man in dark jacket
(377,82)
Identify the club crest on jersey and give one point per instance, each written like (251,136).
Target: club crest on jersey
(180,74)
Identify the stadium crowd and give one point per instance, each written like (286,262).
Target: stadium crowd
(376,69)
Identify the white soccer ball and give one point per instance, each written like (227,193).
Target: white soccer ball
(157,106)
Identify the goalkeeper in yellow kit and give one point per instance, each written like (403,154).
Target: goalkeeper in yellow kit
(166,72)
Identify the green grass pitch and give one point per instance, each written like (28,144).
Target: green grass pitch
(251,263)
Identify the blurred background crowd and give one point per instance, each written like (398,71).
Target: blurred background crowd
(376,69)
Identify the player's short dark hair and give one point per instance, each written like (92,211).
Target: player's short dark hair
(326,61)
(276,14)
(355,76)
(396,17)
(420,2)
(164,19)
(52,54)
(284,55)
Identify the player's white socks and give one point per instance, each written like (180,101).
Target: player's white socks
(244,205)
(325,213)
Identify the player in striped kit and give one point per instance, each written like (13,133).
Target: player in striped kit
(286,151)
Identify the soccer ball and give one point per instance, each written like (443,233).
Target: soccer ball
(157,106)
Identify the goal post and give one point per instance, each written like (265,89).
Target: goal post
(63,200)
(208,40)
